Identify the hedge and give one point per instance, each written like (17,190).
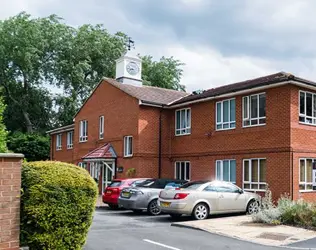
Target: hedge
(57,205)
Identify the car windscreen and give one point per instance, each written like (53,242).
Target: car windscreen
(146,183)
(192,185)
(115,184)
(137,183)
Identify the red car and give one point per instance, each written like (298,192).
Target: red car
(112,192)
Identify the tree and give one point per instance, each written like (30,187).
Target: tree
(41,53)
(35,147)
(3,131)
(166,73)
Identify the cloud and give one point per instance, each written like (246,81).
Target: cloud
(219,41)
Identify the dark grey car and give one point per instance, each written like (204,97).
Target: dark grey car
(145,195)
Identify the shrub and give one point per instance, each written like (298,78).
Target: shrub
(35,147)
(131,172)
(57,204)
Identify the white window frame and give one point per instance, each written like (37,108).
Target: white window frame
(128,151)
(305,183)
(70,143)
(250,172)
(83,131)
(187,129)
(58,142)
(230,122)
(101,127)
(186,164)
(248,118)
(222,169)
(82,165)
(306,117)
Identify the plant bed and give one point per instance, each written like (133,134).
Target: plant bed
(287,212)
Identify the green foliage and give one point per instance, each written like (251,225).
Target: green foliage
(296,213)
(57,204)
(3,131)
(41,53)
(35,147)
(166,73)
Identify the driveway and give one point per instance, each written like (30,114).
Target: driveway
(124,230)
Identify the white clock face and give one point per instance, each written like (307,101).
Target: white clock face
(132,68)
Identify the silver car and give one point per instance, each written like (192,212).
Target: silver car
(145,195)
(202,198)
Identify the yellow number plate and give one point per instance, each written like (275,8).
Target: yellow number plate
(125,194)
(165,204)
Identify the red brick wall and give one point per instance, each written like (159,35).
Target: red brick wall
(303,143)
(120,113)
(10,185)
(65,155)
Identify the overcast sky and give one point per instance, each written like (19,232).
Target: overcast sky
(220,42)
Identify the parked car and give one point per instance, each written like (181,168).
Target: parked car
(202,198)
(111,193)
(145,195)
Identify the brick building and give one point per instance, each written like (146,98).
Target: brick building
(251,133)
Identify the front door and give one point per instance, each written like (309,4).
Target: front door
(108,170)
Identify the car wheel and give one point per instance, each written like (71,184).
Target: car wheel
(153,208)
(175,216)
(200,211)
(137,211)
(253,207)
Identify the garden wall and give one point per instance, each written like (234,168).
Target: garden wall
(10,186)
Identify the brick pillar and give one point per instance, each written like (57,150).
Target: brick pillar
(10,186)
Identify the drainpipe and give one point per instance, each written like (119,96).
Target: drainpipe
(292,174)
(159,150)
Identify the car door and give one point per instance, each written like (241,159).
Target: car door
(210,194)
(230,198)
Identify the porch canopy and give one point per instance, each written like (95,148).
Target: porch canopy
(101,164)
(102,153)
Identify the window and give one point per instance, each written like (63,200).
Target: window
(226,114)
(183,122)
(70,136)
(182,170)
(128,146)
(307,108)
(255,174)
(254,110)
(306,174)
(82,165)
(226,170)
(83,131)
(226,188)
(101,127)
(58,142)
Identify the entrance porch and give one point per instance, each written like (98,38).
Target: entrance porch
(101,164)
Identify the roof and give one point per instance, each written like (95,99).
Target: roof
(106,151)
(244,85)
(149,94)
(61,129)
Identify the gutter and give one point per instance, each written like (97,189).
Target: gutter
(61,129)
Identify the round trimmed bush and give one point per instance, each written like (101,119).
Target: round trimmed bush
(57,205)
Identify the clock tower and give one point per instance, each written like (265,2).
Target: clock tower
(129,69)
